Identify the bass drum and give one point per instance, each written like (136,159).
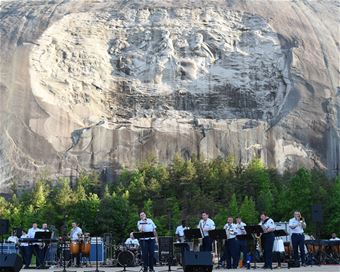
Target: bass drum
(85,248)
(74,248)
(126,258)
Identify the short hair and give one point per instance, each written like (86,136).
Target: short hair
(264,213)
(205,212)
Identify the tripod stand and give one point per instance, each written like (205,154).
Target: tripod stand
(63,248)
(96,270)
(254,231)
(219,235)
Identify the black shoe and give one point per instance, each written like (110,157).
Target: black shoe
(151,270)
(145,269)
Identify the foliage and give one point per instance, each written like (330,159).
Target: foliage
(169,194)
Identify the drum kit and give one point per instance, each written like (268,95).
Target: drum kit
(128,255)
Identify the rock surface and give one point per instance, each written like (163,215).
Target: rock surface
(105,84)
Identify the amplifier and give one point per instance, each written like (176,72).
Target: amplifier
(197,261)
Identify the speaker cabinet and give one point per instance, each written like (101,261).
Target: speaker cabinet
(10,263)
(197,261)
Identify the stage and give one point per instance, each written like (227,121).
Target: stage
(322,268)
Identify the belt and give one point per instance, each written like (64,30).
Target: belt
(298,233)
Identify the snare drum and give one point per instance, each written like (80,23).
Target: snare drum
(74,247)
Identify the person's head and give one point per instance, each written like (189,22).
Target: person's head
(34,225)
(131,235)
(198,38)
(205,215)
(263,216)
(23,232)
(230,220)
(333,235)
(238,219)
(297,215)
(142,215)
(74,224)
(183,223)
(44,226)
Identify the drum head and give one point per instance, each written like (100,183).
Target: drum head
(126,258)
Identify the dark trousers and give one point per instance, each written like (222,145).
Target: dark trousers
(268,242)
(231,253)
(206,244)
(38,254)
(77,259)
(242,247)
(148,250)
(298,241)
(26,254)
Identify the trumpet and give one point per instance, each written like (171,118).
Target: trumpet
(302,220)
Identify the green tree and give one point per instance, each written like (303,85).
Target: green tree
(233,207)
(248,211)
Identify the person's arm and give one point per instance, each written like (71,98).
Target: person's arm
(291,224)
(139,226)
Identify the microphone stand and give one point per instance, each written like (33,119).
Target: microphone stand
(63,247)
(96,223)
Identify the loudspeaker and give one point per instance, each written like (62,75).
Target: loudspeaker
(4,226)
(10,262)
(317,214)
(197,261)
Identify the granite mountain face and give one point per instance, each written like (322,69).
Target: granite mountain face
(105,84)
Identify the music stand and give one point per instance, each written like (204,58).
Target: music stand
(219,235)
(253,231)
(43,235)
(278,233)
(192,234)
(140,235)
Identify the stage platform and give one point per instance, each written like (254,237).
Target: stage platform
(322,268)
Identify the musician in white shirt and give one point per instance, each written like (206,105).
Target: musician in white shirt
(268,237)
(25,251)
(241,243)
(147,244)
(132,242)
(13,238)
(297,225)
(35,247)
(75,235)
(180,232)
(206,224)
(334,238)
(231,244)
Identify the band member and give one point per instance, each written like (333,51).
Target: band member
(25,251)
(333,237)
(74,236)
(241,244)
(180,232)
(268,237)
(35,247)
(13,238)
(297,224)
(205,225)
(132,242)
(231,244)
(45,245)
(147,244)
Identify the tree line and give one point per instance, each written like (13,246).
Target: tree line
(170,193)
